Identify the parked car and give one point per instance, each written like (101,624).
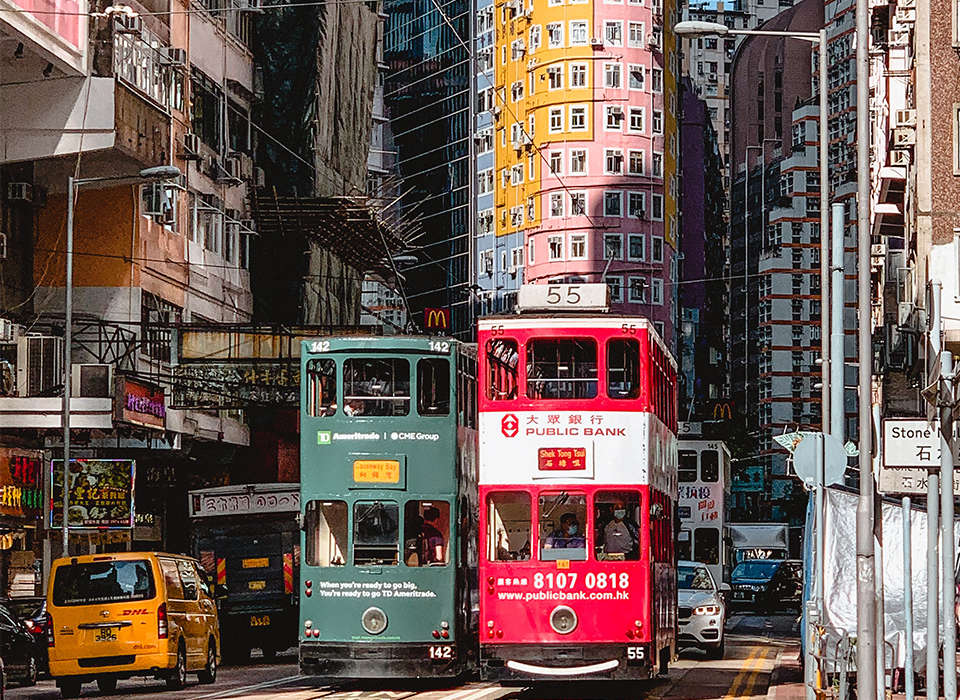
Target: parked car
(17,649)
(32,612)
(765,585)
(129,614)
(701,609)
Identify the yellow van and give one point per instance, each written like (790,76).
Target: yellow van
(113,616)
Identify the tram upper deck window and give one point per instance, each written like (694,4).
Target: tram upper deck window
(508,526)
(687,473)
(561,368)
(426,533)
(502,357)
(616,534)
(433,387)
(321,387)
(325,524)
(623,368)
(709,466)
(376,533)
(563,526)
(376,387)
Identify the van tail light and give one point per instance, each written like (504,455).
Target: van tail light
(48,625)
(162,621)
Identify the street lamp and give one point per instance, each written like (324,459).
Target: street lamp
(154,174)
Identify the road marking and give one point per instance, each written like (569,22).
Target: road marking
(248,688)
(742,682)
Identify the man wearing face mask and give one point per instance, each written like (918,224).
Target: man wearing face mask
(568,536)
(621,535)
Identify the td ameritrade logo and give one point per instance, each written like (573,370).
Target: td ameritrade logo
(326,437)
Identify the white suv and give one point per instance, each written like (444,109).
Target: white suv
(701,610)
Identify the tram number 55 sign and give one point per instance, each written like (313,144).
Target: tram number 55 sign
(563,296)
(509,425)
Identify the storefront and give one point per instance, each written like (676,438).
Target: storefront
(21,504)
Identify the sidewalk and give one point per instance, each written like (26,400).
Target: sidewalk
(786,680)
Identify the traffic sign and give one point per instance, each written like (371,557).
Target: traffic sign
(911,442)
(894,481)
(808,452)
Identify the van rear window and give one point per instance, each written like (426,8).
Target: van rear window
(103,582)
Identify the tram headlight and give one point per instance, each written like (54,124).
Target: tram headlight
(374,620)
(563,620)
(707,610)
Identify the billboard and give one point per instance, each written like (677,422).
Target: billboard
(21,482)
(101,493)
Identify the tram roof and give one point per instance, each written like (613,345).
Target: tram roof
(383,343)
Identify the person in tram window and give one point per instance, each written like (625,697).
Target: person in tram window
(621,535)
(432,543)
(568,536)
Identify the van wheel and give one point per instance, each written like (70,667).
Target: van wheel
(69,688)
(209,673)
(107,685)
(178,677)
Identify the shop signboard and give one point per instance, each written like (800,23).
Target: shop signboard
(140,403)
(101,493)
(21,482)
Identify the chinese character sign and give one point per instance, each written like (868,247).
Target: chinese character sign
(21,483)
(101,493)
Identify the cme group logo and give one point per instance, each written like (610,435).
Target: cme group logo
(509,425)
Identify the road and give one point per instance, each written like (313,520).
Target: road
(754,644)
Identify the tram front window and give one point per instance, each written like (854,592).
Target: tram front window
(321,388)
(687,473)
(376,533)
(559,368)
(508,526)
(616,535)
(376,387)
(325,523)
(623,368)
(563,526)
(426,533)
(706,545)
(433,387)
(502,357)
(709,466)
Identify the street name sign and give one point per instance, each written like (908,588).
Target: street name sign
(911,448)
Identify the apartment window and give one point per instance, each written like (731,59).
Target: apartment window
(556,162)
(516,257)
(578,203)
(656,249)
(516,174)
(555,247)
(612,203)
(656,207)
(578,161)
(555,35)
(556,119)
(636,77)
(556,204)
(578,118)
(612,246)
(578,75)
(536,37)
(157,316)
(656,291)
(555,77)
(531,209)
(159,201)
(656,79)
(517,49)
(657,121)
(484,141)
(516,90)
(611,76)
(485,181)
(658,165)
(530,252)
(207,111)
(578,33)
(637,292)
(615,285)
(613,161)
(635,162)
(636,244)
(613,33)
(637,208)
(635,35)
(614,117)
(636,119)
(578,246)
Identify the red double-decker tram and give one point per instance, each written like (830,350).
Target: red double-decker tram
(578,486)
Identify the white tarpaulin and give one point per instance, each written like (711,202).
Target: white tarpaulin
(840,581)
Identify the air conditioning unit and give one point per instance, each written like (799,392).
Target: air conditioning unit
(596,41)
(231,170)
(516,145)
(905,117)
(495,110)
(129,24)
(907,3)
(525,139)
(19,192)
(878,250)
(191,146)
(260,178)
(531,64)
(175,56)
(898,37)
(906,15)
(513,271)
(39,364)
(3,246)
(92,381)
(513,5)
(8,331)
(904,309)
(249,224)
(898,158)
(654,40)
(904,137)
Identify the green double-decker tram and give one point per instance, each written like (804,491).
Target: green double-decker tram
(388,491)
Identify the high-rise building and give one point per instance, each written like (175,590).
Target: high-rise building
(585,151)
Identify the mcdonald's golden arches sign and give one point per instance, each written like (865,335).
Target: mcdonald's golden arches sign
(436,319)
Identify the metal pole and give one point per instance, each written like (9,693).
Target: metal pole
(907,602)
(837,352)
(866,586)
(948,596)
(880,566)
(67,373)
(933,532)
(826,351)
